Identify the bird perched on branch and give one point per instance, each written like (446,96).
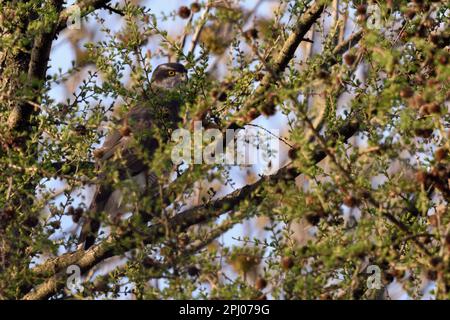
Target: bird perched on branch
(119,151)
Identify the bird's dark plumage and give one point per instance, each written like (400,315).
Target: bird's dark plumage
(162,71)
(162,114)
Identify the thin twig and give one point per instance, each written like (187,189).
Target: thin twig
(116,11)
(198,31)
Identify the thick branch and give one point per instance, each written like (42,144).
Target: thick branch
(286,53)
(37,69)
(40,53)
(41,50)
(259,95)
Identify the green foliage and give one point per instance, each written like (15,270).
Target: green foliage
(377,196)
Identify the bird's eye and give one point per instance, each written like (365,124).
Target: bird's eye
(171,73)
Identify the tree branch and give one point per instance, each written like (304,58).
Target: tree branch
(198,31)
(37,69)
(286,53)
(40,53)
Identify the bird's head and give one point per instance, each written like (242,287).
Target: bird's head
(169,76)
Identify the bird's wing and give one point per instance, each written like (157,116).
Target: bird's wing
(122,146)
(103,191)
(139,119)
(112,141)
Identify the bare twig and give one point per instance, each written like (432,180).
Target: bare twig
(198,31)
(114,10)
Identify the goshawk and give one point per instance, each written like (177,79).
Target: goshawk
(119,150)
